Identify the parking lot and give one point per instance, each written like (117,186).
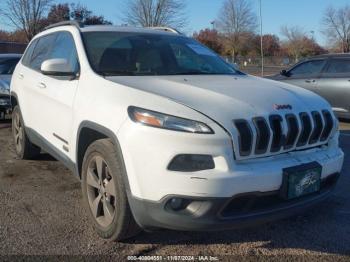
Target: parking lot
(41,213)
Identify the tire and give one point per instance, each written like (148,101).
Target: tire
(23,147)
(104,192)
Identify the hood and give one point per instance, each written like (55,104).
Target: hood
(224,97)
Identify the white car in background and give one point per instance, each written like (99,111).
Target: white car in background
(165,134)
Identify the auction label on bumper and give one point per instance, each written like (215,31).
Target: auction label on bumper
(301,180)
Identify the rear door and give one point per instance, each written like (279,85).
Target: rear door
(334,84)
(28,79)
(306,74)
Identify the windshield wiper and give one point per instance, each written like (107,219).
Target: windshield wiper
(192,73)
(116,73)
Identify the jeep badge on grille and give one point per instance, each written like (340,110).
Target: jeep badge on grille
(282,107)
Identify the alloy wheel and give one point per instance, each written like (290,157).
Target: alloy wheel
(18,132)
(101,191)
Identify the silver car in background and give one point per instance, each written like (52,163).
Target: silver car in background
(327,75)
(8,63)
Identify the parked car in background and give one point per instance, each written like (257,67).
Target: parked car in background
(8,63)
(327,75)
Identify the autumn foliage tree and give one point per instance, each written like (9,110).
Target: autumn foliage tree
(58,13)
(211,38)
(271,45)
(298,44)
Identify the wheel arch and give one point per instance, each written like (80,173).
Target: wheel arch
(90,132)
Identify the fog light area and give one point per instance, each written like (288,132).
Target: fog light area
(191,163)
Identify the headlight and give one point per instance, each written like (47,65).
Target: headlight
(160,120)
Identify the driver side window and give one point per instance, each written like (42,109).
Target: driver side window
(184,58)
(308,68)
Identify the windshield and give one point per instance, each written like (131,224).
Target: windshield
(7,65)
(121,54)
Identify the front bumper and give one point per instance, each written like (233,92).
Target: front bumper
(148,151)
(212,214)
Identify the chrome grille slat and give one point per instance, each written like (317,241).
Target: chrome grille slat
(277,136)
(245,137)
(263,135)
(306,129)
(318,127)
(329,124)
(293,131)
(281,133)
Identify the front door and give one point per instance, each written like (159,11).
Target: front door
(59,94)
(334,85)
(306,74)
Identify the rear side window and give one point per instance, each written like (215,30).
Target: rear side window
(308,68)
(41,51)
(64,47)
(339,66)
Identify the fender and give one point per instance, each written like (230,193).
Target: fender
(109,134)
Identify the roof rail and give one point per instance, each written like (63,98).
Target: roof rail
(167,29)
(63,23)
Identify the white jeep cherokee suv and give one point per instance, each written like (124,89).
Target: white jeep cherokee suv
(165,134)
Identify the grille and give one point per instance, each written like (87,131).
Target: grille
(245,137)
(278,133)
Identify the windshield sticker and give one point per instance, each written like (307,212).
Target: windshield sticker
(201,50)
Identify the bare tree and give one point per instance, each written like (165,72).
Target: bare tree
(25,15)
(236,20)
(149,13)
(298,44)
(336,24)
(294,40)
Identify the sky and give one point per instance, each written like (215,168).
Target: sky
(304,13)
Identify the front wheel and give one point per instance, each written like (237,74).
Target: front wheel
(104,192)
(24,148)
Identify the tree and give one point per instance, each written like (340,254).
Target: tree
(150,13)
(85,16)
(336,23)
(211,38)
(271,45)
(25,15)
(58,13)
(237,21)
(298,44)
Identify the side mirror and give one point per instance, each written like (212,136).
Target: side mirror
(284,73)
(57,67)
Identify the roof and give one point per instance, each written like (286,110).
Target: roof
(112,28)
(339,55)
(128,29)
(10,55)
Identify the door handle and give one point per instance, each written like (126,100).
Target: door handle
(20,76)
(41,85)
(310,81)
